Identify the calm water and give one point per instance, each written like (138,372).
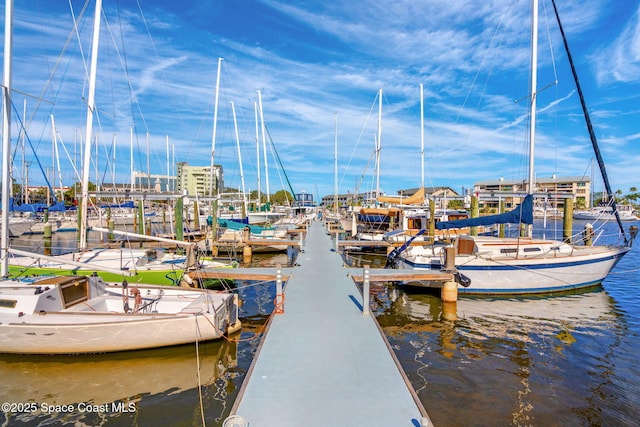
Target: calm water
(568,360)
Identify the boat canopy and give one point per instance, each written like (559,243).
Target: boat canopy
(36,207)
(128,204)
(236,225)
(523,214)
(416,199)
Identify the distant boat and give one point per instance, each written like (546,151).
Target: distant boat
(18,226)
(81,315)
(151,266)
(606,213)
(523,265)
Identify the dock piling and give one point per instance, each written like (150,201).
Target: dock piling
(449,292)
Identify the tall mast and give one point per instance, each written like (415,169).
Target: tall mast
(215,126)
(86,165)
(133,176)
(6,136)
(378,143)
(532,109)
(168,164)
(235,126)
(335,163)
(264,150)
(255,110)
(422,135)
(148,164)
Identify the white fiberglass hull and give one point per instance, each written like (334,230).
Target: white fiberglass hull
(583,267)
(80,315)
(103,333)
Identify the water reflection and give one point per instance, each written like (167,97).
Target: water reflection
(121,385)
(537,361)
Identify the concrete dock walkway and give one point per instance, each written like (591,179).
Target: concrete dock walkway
(323,362)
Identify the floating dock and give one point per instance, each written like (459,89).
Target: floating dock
(324,361)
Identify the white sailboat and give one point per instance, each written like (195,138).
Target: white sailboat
(85,314)
(523,265)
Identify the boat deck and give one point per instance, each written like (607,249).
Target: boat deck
(323,362)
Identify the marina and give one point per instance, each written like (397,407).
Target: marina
(500,356)
(185,295)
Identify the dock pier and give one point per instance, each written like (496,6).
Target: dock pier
(324,360)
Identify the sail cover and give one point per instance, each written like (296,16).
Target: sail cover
(522,214)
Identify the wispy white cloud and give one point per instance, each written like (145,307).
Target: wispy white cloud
(312,59)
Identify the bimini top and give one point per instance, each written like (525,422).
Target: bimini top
(523,214)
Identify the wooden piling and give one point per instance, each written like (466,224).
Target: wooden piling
(179,221)
(567,222)
(140,214)
(475,213)
(588,234)
(432,218)
(501,227)
(449,291)
(47,225)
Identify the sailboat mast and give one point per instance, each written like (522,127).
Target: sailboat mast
(335,163)
(56,156)
(6,136)
(133,177)
(532,107)
(235,126)
(86,165)
(421,135)
(255,109)
(264,150)
(215,125)
(378,144)
(534,83)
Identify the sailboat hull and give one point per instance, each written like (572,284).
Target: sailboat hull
(78,315)
(498,266)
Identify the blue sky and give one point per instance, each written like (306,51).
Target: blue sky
(315,62)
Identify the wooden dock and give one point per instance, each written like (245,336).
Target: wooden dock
(324,361)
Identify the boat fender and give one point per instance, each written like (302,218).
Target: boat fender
(137,299)
(125,296)
(633,232)
(462,279)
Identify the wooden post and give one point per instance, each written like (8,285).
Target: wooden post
(432,219)
(247,250)
(47,225)
(47,246)
(179,228)
(588,234)
(140,214)
(47,233)
(449,310)
(475,213)
(449,291)
(365,291)
(196,215)
(567,223)
(246,253)
(111,224)
(214,229)
(501,227)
